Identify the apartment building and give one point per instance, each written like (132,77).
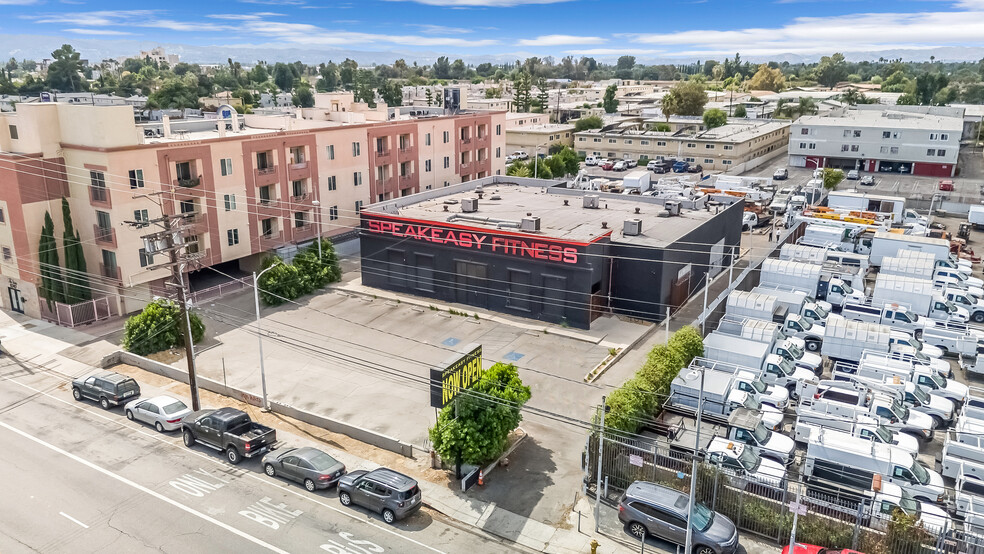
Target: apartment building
(250,185)
(529,137)
(720,149)
(880,139)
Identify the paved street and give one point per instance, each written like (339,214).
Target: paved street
(84,480)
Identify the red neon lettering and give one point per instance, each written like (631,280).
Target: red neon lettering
(555,253)
(374,226)
(538,249)
(451,238)
(465,240)
(570,255)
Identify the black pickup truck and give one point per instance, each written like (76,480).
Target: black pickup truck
(228,430)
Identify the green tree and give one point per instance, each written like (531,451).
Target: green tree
(542,96)
(429,96)
(259,74)
(895,82)
(303,275)
(609,102)
(65,72)
(572,164)
(715,118)
(474,429)
(585,123)
(283,77)
(304,97)
(52,284)
(159,327)
(76,276)
(740,111)
(908,99)
(767,79)
(685,98)
(177,92)
(687,344)
(346,73)
(522,87)
(392,93)
(458,69)
(928,85)
(832,178)
(329,78)
(831,70)
(442,68)
(519,169)
(662,127)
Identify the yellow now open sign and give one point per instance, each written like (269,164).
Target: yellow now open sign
(451,377)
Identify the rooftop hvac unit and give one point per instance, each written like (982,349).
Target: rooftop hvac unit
(591,201)
(530,224)
(632,227)
(672,208)
(469,205)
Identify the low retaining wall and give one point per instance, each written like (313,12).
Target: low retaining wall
(333,425)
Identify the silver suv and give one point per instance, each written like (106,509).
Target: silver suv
(382,490)
(650,509)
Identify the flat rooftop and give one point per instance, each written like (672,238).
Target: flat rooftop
(573,222)
(886,119)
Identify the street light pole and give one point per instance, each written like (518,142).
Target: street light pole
(259,334)
(693,467)
(317,203)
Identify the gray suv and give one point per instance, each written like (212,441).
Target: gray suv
(382,490)
(650,509)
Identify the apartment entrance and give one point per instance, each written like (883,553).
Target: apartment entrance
(15,299)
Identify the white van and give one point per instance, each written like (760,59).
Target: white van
(591,160)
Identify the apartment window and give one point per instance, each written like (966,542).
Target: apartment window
(109,262)
(299,219)
(330,150)
(297,188)
(13,131)
(597,140)
(883,150)
(691,160)
(136,179)
(627,141)
(264,160)
(726,162)
(145,258)
(357,178)
(447,162)
(3,217)
(644,142)
(660,143)
(332,183)
(941,152)
(944,136)
(358,206)
(708,160)
(447,136)
(225,166)
(855,148)
(802,145)
(611,141)
(97,180)
(691,145)
(356,149)
(265,196)
(498,152)
(805,131)
(894,150)
(297,154)
(232,237)
(857,133)
(141,216)
(333,213)
(380,145)
(934,136)
(498,130)
(230,202)
(729,147)
(709,146)
(266,227)
(102,219)
(447,183)
(886,134)
(845,147)
(427,166)
(930,151)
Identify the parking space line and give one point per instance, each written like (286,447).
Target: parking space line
(73,520)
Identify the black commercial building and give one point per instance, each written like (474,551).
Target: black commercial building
(530,248)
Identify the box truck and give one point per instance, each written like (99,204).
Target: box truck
(679,433)
(811,418)
(825,282)
(919,295)
(888,245)
(846,399)
(791,348)
(796,301)
(758,356)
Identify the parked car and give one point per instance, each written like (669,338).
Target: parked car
(650,509)
(108,388)
(163,412)
(695,169)
(681,167)
(385,491)
(589,160)
(853,175)
(818,173)
(781,174)
(946,185)
(868,181)
(812,549)
(607,165)
(230,431)
(629,164)
(662,169)
(619,166)
(521,155)
(651,165)
(311,467)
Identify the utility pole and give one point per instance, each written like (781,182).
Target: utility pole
(171,240)
(693,468)
(601,444)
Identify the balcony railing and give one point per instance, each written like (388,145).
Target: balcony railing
(299,197)
(269,202)
(111,271)
(106,235)
(299,165)
(266,170)
(406,179)
(465,140)
(190,182)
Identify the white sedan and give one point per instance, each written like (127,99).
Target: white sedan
(163,412)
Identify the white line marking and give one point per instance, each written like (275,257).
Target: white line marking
(261,478)
(72,519)
(145,490)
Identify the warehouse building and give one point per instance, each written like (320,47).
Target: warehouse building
(535,249)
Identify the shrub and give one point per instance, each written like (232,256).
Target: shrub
(159,327)
(687,344)
(590,122)
(302,276)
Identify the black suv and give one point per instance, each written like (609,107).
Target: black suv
(108,388)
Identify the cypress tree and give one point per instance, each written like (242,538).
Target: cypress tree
(78,282)
(52,286)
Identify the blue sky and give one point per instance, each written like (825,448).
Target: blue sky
(697,29)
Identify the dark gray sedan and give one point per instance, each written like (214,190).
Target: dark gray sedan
(310,466)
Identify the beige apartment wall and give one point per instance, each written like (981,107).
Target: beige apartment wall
(38,129)
(8,268)
(436,151)
(98,126)
(498,150)
(343,167)
(235,185)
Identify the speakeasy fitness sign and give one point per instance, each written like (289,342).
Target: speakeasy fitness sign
(476,239)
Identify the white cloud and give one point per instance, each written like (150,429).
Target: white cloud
(560,40)
(304,33)
(106,32)
(481,3)
(18,2)
(628,51)
(101,18)
(439,29)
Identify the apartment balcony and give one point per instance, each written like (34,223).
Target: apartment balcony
(408,180)
(482,141)
(465,168)
(189,188)
(384,157)
(269,208)
(466,140)
(303,198)
(111,272)
(99,196)
(196,223)
(270,241)
(105,236)
(264,176)
(298,171)
(305,232)
(407,154)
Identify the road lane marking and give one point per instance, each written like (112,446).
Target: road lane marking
(261,478)
(272,515)
(144,489)
(72,519)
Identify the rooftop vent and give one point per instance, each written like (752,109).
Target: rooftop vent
(451,201)
(530,224)
(632,227)
(591,201)
(495,197)
(469,205)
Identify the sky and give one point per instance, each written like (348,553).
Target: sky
(504,29)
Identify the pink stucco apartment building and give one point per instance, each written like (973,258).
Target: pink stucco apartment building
(253,184)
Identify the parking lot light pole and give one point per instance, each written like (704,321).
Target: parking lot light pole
(693,467)
(259,334)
